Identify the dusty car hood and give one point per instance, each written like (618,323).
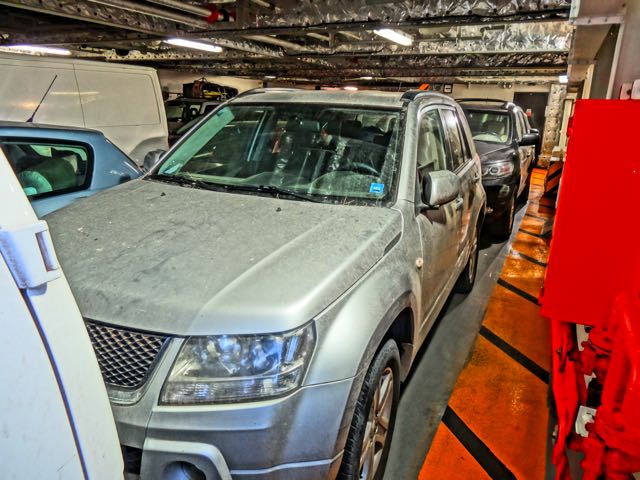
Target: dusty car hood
(492,151)
(183,261)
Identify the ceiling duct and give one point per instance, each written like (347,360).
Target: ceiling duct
(312,12)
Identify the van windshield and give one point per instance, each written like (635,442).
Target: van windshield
(333,154)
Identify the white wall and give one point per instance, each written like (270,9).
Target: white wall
(172,81)
(629,62)
(494,91)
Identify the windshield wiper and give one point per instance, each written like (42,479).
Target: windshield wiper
(271,189)
(186,181)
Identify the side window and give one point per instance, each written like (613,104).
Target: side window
(431,143)
(49,168)
(456,148)
(519,125)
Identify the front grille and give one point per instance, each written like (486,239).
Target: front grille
(126,357)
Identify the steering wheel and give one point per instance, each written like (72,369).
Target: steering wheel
(364,169)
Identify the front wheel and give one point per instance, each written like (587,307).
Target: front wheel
(367,448)
(504,226)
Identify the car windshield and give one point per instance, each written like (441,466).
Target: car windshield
(178,110)
(326,153)
(488,126)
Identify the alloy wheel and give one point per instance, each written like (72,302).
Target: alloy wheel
(377,428)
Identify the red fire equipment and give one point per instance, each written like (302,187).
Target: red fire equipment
(593,279)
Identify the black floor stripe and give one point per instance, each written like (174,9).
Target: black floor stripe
(518,291)
(536,216)
(533,234)
(515,354)
(528,258)
(555,174)
(476,447)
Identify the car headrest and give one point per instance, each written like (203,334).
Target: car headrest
(351,129)
(310,126)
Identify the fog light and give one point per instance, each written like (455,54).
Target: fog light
(505,190)
(183,471)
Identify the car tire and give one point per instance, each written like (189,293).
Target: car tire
(467,278)
(503,227)
(524,195)
(377,406)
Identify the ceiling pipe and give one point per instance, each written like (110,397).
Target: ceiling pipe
(276,41)
(185,7)
(190,21)
(154,12)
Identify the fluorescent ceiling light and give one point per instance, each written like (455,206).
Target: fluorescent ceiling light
(563,79)
(366,78)
(207,47)
(351,88)
(269,77)
(394,36)
(37,49)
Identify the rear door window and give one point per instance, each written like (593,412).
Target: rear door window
(48,168)
(457,154)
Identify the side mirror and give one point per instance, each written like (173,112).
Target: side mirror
(529,139)
(151,159)
(439,188)
(534,130)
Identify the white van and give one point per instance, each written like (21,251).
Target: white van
(122,101)
(55,414)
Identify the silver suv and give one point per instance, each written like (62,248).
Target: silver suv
(257,298)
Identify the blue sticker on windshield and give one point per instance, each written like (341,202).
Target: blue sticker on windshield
(377,188)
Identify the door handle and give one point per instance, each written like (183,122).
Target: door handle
(458,203)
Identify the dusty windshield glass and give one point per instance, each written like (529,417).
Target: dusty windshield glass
(487,126)
(330,153)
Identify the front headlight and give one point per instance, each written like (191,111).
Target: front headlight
(497,170)
(238,368)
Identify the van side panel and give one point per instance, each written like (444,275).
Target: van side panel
(23,84)
(126,106)
(36,440)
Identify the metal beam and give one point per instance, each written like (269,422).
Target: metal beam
(290,25)
(100,14)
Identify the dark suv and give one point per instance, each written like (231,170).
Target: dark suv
(506,144)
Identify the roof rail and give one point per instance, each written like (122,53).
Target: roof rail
(492,100)
(411,95)
(267,90)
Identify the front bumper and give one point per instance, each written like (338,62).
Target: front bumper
(498,198)
(299,436)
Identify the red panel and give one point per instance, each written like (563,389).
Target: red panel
(596,237)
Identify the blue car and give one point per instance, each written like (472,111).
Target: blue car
(57,165)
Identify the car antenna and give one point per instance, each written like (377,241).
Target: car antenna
(30,119)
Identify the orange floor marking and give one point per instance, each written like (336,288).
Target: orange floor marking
(523,274)
(537,248)
(451,461)
(506,407)
(529,332)
(532,224)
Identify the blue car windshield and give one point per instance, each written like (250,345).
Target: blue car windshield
(327,153)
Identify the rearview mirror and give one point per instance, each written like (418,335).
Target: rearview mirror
(440,188)
(529,139)
(151,159)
